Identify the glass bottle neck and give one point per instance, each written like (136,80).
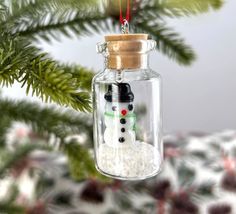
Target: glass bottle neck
(127,61)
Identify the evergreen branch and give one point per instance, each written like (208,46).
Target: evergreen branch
(82,74)
(189,7)
(52,83)
(50,23)
(24,6)
(168,42)
(19,61)
(177,8)
(46,120)
(23,9)
(78,24)
(10,158)
(5,124)
(81,163)
(14,55)
(3,12)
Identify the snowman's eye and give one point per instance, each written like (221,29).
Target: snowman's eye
(113,108)
(130,107)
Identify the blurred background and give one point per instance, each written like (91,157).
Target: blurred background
(196,98)
(46,150)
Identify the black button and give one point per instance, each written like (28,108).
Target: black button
(123,121)
(123,130)
(121,139)
(130,107)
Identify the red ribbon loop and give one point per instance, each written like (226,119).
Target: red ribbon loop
(122,20)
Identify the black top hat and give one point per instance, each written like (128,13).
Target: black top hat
(120,92)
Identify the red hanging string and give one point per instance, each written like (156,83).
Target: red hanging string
(122,20)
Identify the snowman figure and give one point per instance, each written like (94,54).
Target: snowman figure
(119,116)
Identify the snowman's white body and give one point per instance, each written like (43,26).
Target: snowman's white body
(120,124)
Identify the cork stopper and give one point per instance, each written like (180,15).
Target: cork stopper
(126,37)
(127,51)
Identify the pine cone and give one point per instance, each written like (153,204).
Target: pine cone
(161,190)
(220,209)
(92,192)
(181,204)
(229,181)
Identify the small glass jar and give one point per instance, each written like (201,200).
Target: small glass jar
(127,109)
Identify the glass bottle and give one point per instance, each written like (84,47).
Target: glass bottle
(127,109)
